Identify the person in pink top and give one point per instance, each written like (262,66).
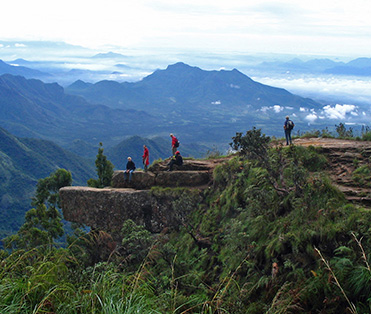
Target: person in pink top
(145,157)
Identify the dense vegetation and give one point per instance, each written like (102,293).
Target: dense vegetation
(273,235)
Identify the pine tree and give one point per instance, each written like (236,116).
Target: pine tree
(104,170)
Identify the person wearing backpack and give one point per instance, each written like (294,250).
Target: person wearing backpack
(174,144)
(288,126)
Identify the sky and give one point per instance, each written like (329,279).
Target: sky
(316,27)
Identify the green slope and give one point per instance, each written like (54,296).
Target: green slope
(23,162)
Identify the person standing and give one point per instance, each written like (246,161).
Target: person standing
(145,157)
(174,144)
(288,126)
(130,167)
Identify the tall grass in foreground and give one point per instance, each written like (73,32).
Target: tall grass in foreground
(51,282)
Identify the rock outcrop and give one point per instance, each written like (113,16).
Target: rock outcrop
(166,206)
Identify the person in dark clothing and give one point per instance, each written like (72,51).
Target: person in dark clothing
(288,126)
(176,160)
(130,167)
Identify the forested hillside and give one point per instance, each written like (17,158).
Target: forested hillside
(23,161)
(271,235)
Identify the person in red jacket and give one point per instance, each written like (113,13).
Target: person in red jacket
(174,144)
(145,157)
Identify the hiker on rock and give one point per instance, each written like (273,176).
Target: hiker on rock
(176,160)
(288,126)
(145,157)
(130,167)
(174,144)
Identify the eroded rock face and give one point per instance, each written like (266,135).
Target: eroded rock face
(107,209)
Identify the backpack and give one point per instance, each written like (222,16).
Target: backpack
(290,125)
(176,143)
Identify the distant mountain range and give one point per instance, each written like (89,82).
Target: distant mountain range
(188,90)
(31,108)
(199,104)
(6,68)
(205,107)
(356,67)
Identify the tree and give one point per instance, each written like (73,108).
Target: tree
(253,145)
(104,170)
(343,132)
(43,224)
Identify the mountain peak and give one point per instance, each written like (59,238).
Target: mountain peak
(109,55)
(180,66)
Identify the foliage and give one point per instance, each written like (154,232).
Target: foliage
(136,240)
(362,175)
(43,224)
(253,144)
(343,132)
(104,170)
(366,133)
(325,133)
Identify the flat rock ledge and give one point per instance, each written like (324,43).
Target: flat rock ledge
(108,208)
(145,180)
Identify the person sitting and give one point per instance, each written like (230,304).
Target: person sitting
(176,160)
(130,167)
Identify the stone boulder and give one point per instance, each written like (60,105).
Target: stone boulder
(140,180)
(183,178)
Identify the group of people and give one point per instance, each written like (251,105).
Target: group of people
(176,159)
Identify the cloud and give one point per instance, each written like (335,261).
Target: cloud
(275,108)
(339,112)
(311,117)
(356,88)
(17,45)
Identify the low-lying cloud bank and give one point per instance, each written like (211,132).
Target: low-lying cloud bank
(354,89)
(337,112)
